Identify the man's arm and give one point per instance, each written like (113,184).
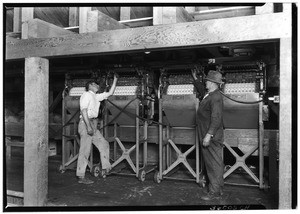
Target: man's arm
(113,87)
(87,121)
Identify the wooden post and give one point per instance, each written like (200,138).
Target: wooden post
(73,16)
(125,13)
(83,17)
(27,14)
(285,117)
(17,19)
(36,131)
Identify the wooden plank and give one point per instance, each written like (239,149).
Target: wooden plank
(210,32)
(73,16)
(36,131)
(27,14)
(41,29)
(83,13)
(125,13)
(17,26)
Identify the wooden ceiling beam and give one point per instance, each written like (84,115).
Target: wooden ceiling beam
(41,29)
(202,33)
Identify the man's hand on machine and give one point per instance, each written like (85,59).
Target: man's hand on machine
(206,140)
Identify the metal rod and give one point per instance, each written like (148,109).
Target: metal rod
(137,135)
(160,139)
(261,148)
(136,20)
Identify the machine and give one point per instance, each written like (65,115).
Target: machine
(129,111)
(244,90)
(177,129)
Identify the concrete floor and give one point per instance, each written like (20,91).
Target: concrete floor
(117,192)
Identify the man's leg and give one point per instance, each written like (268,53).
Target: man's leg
(103,147)
(84,150)
(212,156)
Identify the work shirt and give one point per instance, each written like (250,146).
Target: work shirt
(91,101)
(210,114)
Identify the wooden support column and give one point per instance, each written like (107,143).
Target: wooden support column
(170,15)
(285,118)
(125,13)
(36,131)
(27,14)
(73,16)
(83,19)
(17,26)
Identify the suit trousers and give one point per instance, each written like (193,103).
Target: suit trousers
(86,141)
(214,165)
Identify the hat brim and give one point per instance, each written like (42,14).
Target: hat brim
(211,80)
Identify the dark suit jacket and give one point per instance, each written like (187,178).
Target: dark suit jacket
(210,114)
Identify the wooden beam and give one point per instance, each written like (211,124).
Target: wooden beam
(125,13)
(41,29)
(27,14)
(73,16)
(36,131)
(210,32)
(170,15)
(17,26)
(83,13)
(223,13)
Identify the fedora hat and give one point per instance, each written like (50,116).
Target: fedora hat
(214,76)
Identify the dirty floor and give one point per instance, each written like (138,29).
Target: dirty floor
(116,192)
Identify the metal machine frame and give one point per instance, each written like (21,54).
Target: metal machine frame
(166,142)
(140,139)
(259,134)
